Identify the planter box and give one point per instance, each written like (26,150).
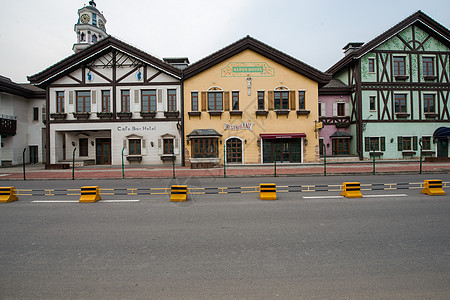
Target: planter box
(171,114)
(261,113)
(104,115)
(82,115)
(303,112)
(58,116)
(124,115)
(148,114)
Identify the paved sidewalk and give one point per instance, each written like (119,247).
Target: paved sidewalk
(307,169)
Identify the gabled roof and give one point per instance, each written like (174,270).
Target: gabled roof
(262,49)
(335,86)
(91,53)
(419,18)
(20,89)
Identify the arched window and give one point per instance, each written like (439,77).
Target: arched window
(94,38)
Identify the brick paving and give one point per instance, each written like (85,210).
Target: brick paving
(115,172)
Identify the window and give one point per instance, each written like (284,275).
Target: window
(426,143)
(428,66)
(215,100)
(172,100)
(125,100)
(168,146)
(375,143)
(320,109)
(94,38)
(59,102)
(372,104)
(194,101)
(35,113)
(371,65)
(83,101)
(235,100)
(400,103)
(428,103)
(399,66)
(407,143)
(83,143)
(340,109)
(281,100)
(148,102)
(321,145)
(341,146)
(94,19)
(301,100)
(205,148)
(135,147)
(106,96)
(260,100)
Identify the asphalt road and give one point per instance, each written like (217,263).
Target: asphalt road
(302,246)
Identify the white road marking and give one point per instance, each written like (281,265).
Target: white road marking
(4,175)
(77,201)
(364,196)
(54,201)
(114,201)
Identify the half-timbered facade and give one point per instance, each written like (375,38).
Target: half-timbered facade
(112,102)
(400,90)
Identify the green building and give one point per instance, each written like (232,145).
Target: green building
(400,83)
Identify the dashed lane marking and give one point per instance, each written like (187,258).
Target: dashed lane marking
(364,196)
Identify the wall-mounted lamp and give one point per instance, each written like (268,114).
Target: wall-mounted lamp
(258,142)
(73,143)
(179,126)
(392,140)
(245,141)
(328,145)
(187,141)
(151,144)
(306,142)
(92,143)
(221,142)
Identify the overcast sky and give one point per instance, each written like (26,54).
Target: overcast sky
(36,34)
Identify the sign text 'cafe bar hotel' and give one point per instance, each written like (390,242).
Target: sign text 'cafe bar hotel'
(252,104)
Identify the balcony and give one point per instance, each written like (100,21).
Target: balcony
(8,127)
(339,122)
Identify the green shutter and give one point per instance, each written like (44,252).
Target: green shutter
(399,143)
(382,143)
(367,143)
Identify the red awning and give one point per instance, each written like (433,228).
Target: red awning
(282,135)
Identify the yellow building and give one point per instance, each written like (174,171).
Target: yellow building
(253,103)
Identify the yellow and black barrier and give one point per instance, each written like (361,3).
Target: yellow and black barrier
(433,187)
(268,191)
(90,194)
(351,190)
(8,194)
(178,193)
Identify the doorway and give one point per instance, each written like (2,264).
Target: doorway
(103,151)
(442,147)
(282,150)
(234,150)
(34,155)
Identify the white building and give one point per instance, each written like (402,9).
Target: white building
(22,123)
(112,100)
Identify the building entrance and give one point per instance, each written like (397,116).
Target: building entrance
(282,150)
(103,151)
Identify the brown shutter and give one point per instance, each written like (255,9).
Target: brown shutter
(270,104)
(414,143)
(383,143)
(399,143)
(367,144)
(292,100)
(226,101)
(204,106)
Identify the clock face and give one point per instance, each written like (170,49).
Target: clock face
(101,24)
(85,19)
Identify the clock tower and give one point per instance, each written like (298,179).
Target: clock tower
(90,27)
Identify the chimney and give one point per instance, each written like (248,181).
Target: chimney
(351,47)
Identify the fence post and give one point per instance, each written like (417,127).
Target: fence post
(73,163)
(23,162)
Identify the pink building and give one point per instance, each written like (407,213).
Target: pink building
(334,113)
